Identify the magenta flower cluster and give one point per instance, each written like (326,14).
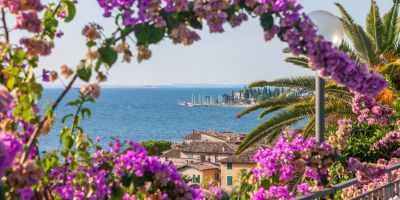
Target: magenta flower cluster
(82,183)
(367,186)
(135,161)
(390,140)
(28,21)
(160,180)
(10,146)
(26,14)
(17,6)
(296,27)
(274,192)
(5,100)
(292,154)
(370,111)
(366,171)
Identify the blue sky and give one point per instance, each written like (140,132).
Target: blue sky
(238,56)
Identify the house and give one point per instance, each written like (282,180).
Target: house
(174,156)
(207,151)
(213,136)
(196,136)
(210,155)
(234,166)
(201,172)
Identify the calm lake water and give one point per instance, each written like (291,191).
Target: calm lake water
(149,114)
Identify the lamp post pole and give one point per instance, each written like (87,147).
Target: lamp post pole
(330,27)
(319,108)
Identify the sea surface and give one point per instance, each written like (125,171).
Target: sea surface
(148,114)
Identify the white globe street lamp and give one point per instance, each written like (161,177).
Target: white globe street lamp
(330,27)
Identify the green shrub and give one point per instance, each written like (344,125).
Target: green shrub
(155,148)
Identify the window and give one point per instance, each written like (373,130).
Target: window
(198,179)
(229,180)
(229,165)
(202,157)
(194,178)
(190,155)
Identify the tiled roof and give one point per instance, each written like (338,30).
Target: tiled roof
(201,166)
(172,153)
(227,136)
(245,157)
(195,135)
(208,147)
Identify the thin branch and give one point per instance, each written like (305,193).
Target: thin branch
(37,130)
(3,19)
(72,133)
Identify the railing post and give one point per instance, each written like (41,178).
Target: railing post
(388,190)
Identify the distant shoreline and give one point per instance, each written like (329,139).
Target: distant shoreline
(158,87)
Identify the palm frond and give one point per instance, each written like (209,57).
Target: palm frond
(309,127)
(344,13)
(281,101)
(258,84)
(345,47)
(306,82)
(375,27)
(391,25)
(391,69)
(298,61)
(269,110)
(272,127)
(364,45)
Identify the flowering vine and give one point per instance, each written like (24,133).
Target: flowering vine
(370,111)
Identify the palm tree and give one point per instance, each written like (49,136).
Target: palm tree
(378,46)
(291,109)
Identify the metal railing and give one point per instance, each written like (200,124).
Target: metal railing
(384,192)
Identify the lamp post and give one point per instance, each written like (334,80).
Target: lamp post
(330,27)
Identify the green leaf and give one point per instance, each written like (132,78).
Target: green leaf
(266,21)
(148,34)
(91,43)
(74,103)
(77,121)
(391,24)
(71,10)
(126,180)
(108,55)
(196,23)
(86,111)
(84,72)
(65,118)
(66,138)
(375,26)
(50,27)
(18,56)
(116,193)
(299,61)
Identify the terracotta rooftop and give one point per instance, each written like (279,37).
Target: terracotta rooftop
(208,147)
(195,135)
(172,153)
(245,157)
(227,136)
(201,166)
